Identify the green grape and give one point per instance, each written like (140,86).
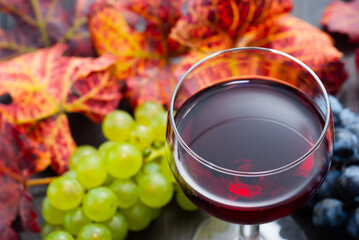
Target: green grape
(155,213)
(123,160)
(148,168)
(117,226)
(71,174)
(126,191)
(117,125)
(184,202)
(155,190)
(59,235)
(81,151)
(151,167)
(159,126)
(75,219)
(94,231)
(166,170)
(109,180)
(51,215)
(138,216)
(99,204)
(65,193)
(142,136)
(102,149)
(145,112)
(138,176)
(48,228)
(91,171)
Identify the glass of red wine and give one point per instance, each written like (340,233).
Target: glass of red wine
(251,133)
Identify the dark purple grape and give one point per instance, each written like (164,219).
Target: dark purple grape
(336,107)
(348,183)
(347,116)
(354,126)
(345,145)
(353,224)
(329,212)
(329,186)
(356,215)
(335,104)
(340,189)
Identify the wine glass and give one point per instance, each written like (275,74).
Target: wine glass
(250,132)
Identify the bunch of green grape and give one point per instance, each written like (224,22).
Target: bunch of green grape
(119,187)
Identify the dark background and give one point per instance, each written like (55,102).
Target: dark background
(176,224)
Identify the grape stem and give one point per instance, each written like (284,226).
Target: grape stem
(155,154)
(38,181)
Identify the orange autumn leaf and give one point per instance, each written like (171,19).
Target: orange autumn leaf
(284,33)
(343,17)
(159,16)
(140,57)
(157,83)
(217,25)
(111,34)
(303,41)
(146,59)
(54,133)
(141,87)
(204,26)
(45,84)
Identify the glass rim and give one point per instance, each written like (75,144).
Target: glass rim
(243,173)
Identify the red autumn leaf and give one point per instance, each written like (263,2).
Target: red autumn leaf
(111,34)
(141,87)
(160,16)
(285,33)
(303,41)
(45,84)
(139,56)
(19,158)
(150,72)
(209,24)
(343,17)
(54,133)
(41,23)
(203,27)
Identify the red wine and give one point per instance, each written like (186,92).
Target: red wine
(251,125)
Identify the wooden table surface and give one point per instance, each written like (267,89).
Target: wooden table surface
(176,224)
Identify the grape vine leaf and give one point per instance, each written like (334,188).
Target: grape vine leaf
(285,33)
(155,19)
(54,133)
(42,23)
(202,28)
(45,84)
(209,24)
(139,55)
(307,43)
(19,158)
(342,17)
